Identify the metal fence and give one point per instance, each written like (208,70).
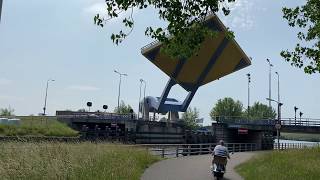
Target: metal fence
(283,146)
(177,150)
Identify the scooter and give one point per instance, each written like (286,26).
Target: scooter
(218,167)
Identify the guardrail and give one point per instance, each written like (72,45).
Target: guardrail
(284,146)
(176,150)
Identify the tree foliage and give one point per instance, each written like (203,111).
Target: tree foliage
(6,111)
(123,108)
(184,19)
(226,107)
(307,52)
(190,117)
(260,111)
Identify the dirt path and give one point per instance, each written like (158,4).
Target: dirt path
(192,168)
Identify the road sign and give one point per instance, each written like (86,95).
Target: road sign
(278,126)
(242,131)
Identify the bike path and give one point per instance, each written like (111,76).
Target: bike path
(193,168)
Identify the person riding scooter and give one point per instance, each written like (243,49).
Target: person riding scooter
(221,150)
(219,161)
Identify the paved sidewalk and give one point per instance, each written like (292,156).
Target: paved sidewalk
(192,168)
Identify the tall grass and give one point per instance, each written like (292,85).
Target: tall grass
(290,164)
(72,161)
(37,126)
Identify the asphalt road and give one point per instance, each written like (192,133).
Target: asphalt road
(192,168)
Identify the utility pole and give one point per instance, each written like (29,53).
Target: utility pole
(270,65)
(249,80)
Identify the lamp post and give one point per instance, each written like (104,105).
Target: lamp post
(278,86)
(120,76)
(295,115)
(249,80)
(139,107)
(270,65)
(46,96)
(278,123)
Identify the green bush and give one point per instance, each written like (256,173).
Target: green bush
(38,126)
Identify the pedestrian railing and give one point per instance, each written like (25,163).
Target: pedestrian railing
(283,146)
(177,150)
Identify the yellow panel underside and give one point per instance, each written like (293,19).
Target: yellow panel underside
(165,63)
(225,64)
(197,63)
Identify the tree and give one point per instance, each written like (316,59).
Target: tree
(260,111)
(123,108)
(6,112)
(82,110)
(185,22)
(190,117)
(226,107)
(307,52)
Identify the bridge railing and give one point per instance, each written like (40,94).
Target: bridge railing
(177,150)
(283,146)
(268,122)
(300,122)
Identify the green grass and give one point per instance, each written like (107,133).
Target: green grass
(301,137)
(290,164)
(37,126)
(73,161)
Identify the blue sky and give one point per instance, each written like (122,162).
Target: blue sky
(57,39)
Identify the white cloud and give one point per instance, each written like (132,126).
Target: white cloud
(4,81)
(95,8)
(83,88)
(242,14)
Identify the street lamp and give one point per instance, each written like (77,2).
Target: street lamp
(278,86)
(270,65)
(249,80)
(278,123)
(295,115)
(46,96)
(120,75)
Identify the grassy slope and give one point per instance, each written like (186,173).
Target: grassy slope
(37,126)
(72,161)
(301,137)
(291,164)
